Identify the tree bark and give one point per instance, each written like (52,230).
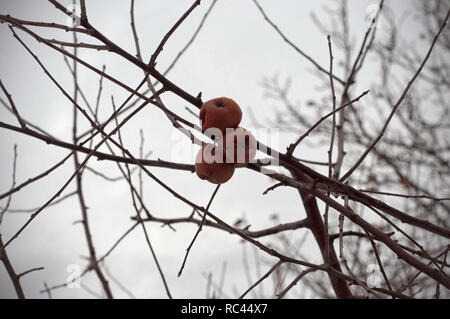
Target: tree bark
(316,225)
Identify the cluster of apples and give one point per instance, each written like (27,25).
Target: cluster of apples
(234,146)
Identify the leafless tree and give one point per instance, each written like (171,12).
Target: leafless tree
(389,140)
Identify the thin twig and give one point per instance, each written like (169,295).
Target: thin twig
(191,40)
(8,18)
(30,210)
(397,104)
(404,195)
(13,105)
(267,274)
(199,229)
(171,31)
(345,94)
(294,282)
(97,47)
(271,188)
(116,243)
(138,212)
(296,48)
(97,154)
(377,256)
(79,184)
(30,270)
(292,147)
(10,270)
(330,150)
(13,183)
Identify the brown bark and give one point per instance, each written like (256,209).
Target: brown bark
(317,228)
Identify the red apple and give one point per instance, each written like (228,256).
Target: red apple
(238,146)
(220,113)
(210,166)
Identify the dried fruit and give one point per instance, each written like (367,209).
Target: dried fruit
(210,166)
(220,113)
(238,146)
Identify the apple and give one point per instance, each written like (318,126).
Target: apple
(238,146)
(210,166)
(220,113)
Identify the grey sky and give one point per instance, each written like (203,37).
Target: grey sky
(234,50)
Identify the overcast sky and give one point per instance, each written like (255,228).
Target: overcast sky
(233,52)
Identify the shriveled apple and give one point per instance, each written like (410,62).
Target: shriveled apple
(238,146)
(220,113)
(210,166)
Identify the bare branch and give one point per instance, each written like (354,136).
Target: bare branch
(301,52)
(199,229)
(397,104)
